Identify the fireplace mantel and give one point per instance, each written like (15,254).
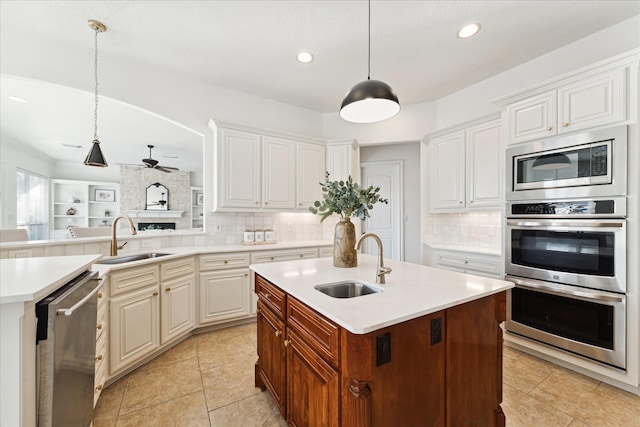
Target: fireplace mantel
(154,214)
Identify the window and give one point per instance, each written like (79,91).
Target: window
(32,210)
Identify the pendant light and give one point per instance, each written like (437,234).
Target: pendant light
(551,162)
(369,101)
(95,156)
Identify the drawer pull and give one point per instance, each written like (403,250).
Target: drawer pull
(278,333)
(99,326)
(168,289)
(99,388)
(246,274)
(226,262)
(301,255)
(550,128)
(272,258)
(99,294)
(267,295)
(287,342)
(258,310)
(98,357)
(564,125)
(155,294)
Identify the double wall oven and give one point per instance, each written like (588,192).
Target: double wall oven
(566,243)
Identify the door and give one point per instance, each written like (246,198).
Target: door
(177,307)
(484,158)
(447,171)
(224,295)
(240,165)
(278,162)
(271,354)
(386,220)
(311,167)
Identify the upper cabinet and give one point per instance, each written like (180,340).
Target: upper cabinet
(580,101)
(343,160)
(465,166)
(259,171)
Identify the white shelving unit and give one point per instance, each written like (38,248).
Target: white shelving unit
(197,210)
(94,204)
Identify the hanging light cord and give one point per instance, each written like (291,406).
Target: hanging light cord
(369,67)
(95,75)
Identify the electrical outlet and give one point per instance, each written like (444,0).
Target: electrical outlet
(217,228)
(147,243)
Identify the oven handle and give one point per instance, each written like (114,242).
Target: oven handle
(582,294)
(578,224)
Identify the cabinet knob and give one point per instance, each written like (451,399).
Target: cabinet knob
(258,310)
(272,258)
(550,128)
(299,204)
(257,203)
(564,125)
(460,202)
(226,262)
(267,295)
(246,274)
(266,203)
(168,289)
(155,294)
(278,333)
(466,262)
(99,357)
(99,294)
(99,326)
(99,387)
(301,256)
(287,342)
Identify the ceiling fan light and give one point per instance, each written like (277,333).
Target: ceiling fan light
(95,156)
(369,101)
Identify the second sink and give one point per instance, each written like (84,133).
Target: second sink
(347,289)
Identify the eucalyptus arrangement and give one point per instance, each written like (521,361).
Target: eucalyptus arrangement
(347,199)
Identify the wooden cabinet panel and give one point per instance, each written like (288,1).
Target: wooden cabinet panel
(278,157)
(273,297)
(224,295)
(133,327)
(222,261)
(177,307)
(313,386)
(133,278)
(271,349)
(318,331)
(180,267)
(475,383)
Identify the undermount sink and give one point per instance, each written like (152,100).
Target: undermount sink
(129,258)
(347,289)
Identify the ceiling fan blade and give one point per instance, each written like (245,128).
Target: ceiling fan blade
(151,163)
(130,164)
(163,169)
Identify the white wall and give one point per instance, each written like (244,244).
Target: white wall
(13,156)
(409,153)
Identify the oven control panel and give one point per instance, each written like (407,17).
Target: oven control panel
(595,208)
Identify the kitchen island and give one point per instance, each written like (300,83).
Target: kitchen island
(426,350)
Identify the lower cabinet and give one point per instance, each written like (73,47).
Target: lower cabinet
(177,307)
(271,349)
(224,295)
(134,326)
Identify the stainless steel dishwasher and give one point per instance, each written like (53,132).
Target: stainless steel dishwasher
(66,351)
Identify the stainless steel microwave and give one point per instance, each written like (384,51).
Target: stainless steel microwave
(588,164)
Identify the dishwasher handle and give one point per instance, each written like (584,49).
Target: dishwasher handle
(69,311)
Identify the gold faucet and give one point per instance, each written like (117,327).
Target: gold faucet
(114,239)
(381,270)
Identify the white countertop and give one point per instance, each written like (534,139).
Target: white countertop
(31,279)
(411,290)
(466,248)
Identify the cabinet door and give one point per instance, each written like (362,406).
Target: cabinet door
(447,171)
(311,167)
(532,118)
(278,157)
(484,165)
(593,102)
(271,355)
(224,295)
(313,392)
(133,327)
(177,307)
(240,166)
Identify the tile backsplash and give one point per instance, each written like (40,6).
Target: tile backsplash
(481,229)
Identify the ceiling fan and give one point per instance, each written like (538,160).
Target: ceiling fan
(153,163)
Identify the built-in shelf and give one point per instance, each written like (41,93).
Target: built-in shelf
(155,214)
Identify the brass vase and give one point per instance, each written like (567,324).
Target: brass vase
(344,244)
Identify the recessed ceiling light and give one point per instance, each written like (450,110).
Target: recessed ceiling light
(18,99)
(305,57)
(468,30)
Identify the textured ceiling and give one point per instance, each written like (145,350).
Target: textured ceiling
(250,46)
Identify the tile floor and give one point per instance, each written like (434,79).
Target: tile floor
(207,380)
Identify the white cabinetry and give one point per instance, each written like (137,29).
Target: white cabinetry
(584,103)
(310,169)
(465,167)
(343,159)
(224,288)
(177,302)
(261,171)
(82,204)
(197,207)
(471,263)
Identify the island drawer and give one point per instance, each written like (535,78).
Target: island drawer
(284,255)
(272,296)
(220,261)
(133,278)
(177,268)
(319,332)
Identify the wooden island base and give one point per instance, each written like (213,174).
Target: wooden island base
(441,369)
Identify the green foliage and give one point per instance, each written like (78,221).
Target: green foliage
(347,199)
